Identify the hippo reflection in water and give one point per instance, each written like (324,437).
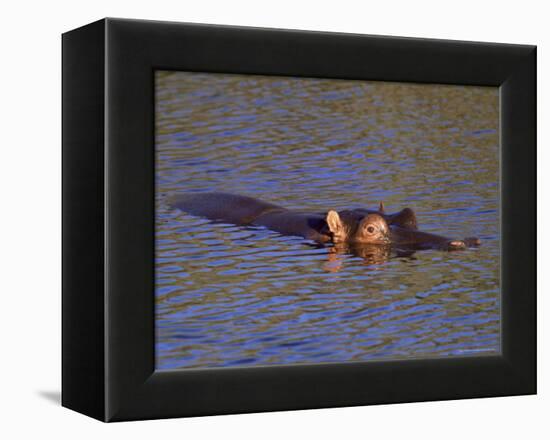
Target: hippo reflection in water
(351,227)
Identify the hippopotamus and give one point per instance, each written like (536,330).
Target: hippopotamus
(356,226)
(403,230)
(406,218)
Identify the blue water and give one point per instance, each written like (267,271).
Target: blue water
(231,296)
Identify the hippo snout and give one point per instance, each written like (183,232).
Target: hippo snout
(472,241)
(463,244)
(456,245)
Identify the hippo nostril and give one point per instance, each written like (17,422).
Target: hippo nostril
(472,241)
(457,244)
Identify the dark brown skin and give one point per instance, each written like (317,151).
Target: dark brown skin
(242,210)
(287,222)
(350,227)
(359,226)
(413,239)
(406,218)
(231,208)
(245,211)
(405,233)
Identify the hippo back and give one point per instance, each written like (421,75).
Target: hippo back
(230,208)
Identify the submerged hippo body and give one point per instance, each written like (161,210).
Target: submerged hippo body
(407,238)
(361,226)
(231,208)
(243,210)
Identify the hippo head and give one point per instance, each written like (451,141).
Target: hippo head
(406,218)
(353,227)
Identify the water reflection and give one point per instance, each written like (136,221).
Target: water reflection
(229,295)
(369,253)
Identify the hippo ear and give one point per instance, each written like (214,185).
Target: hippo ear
(334,222)
(381,209)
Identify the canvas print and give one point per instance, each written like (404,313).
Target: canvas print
(313,220)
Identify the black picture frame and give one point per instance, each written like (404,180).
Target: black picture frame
(108,219)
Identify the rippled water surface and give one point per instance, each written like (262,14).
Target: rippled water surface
(243,296)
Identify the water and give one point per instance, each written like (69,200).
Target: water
(246,296)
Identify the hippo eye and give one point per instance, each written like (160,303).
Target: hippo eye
(370,229)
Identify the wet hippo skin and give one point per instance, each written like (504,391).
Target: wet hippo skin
(407,238)
(243,210)
(406,218)
(361,226)
(403,231)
